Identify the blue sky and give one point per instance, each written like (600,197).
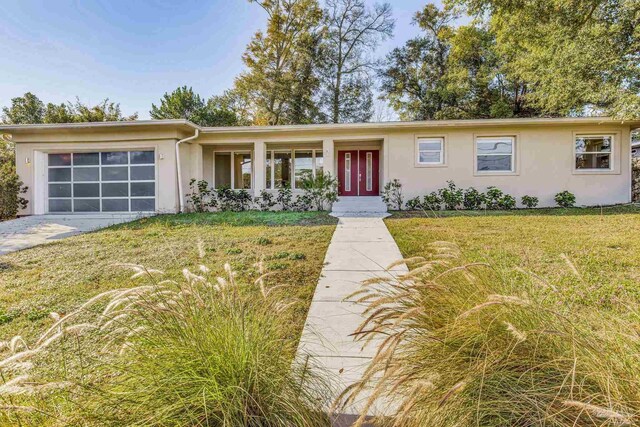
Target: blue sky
(133,51)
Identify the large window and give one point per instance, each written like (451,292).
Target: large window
(593,152)
(430,151)
(288,167)
(112,181)
(495,154)
(233,170)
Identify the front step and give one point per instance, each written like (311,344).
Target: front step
(359,205)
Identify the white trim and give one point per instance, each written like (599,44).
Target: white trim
(232,168)
(430,139)
(610,152)
(512,139)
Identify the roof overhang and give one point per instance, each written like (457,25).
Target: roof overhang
(188,127)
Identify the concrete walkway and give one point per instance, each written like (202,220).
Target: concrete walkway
(22,233)
(361,248)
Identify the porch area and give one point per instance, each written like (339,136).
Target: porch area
(270,165)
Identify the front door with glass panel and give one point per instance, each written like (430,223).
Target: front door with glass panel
(359,173)
(109,181)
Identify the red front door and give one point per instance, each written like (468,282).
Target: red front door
(369,180)
(358,173)
(348,173)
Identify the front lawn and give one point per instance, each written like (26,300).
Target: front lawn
(59,276)
(601,243)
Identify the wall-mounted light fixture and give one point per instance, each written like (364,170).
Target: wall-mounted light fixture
(27,161)
(161,156)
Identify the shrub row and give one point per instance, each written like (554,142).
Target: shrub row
(318,193)
(452,197)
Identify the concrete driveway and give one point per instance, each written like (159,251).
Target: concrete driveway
(35,230)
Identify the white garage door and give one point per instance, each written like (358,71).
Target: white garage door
(108,181)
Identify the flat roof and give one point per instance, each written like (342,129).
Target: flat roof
(188,125)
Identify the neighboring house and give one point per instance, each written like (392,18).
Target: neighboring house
(136,166)
(635,149)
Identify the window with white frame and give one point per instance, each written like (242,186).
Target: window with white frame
(289,167)
(430,151)
(495,154)
(593,152)
(233,170)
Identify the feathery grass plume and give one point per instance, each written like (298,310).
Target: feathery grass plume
(483,370)
(174,354)
(600,412)
(571,265)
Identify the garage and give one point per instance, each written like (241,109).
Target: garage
(105,181)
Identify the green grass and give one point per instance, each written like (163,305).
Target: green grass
(602,243)
(59,276)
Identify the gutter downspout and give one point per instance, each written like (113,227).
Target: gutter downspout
(179,171)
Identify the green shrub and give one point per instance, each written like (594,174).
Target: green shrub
(432,201)
(205,351)
(302,203)
(461,345)
(473,199)
(565,199)
(201,198)
(414,204)
(392,195)
(321,190)
(11,189)
(529,202)
(451,196)
(285,197)
(507,202)
(265,201)
(493,198)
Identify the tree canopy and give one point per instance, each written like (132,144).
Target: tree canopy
(184,103)
(29,109)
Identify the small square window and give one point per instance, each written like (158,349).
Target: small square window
(430,151)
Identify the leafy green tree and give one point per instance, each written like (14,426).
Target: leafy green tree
(29,109)
(453,73)
(579,57)
(104,111)
(59,113)
(277,58)
(353,32)
(184,103)
(11,187)
(24,109)
(413,77)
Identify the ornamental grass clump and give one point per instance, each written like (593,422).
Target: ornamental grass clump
(205,351)
(461,346)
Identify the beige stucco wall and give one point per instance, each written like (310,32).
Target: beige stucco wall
(544,165)
(33,174)
(544,156)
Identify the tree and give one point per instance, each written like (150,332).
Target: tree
(453,73)
(277,58)
(413,76)
(184,103)
(353,32)
(579,57)
(11,187)
(24,109)
(29,109)
(105,111)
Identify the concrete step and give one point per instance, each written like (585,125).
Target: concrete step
(366,204)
